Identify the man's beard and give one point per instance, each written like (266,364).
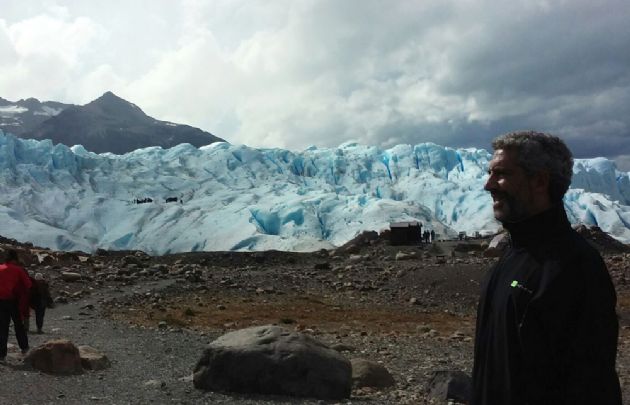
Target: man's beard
(512,209)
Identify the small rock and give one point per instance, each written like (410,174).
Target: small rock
(187,378)
(450,385)
(404,256)
(92,359)
(355,258)
(70,276)
(366,373)
(340,347)
(457,335)
(152,383)
(61,300)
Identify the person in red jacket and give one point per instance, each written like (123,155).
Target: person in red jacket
(14,283)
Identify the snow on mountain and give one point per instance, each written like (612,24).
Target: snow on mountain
(9,110)
(48,111)
(233,197)
(24,115)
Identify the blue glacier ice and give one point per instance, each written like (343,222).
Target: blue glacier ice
(233,197)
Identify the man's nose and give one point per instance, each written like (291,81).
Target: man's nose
(491,183)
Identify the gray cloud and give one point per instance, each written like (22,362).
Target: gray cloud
(561,68)
(295,73)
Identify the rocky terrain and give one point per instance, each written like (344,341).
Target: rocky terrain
(410,308)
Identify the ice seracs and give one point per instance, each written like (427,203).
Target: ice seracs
(233,197)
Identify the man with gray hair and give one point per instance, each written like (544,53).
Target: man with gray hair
(546,323)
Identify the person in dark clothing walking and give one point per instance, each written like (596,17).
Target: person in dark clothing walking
(40,300)
(14,282)
(546,323)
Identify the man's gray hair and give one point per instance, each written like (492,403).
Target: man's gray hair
(536,152)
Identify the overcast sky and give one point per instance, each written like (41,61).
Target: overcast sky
(295,73)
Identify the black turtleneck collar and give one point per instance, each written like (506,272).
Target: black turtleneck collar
(540,228)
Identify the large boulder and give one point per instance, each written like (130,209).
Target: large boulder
(56,357)
(273,360)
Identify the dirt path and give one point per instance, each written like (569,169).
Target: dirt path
(153,365)
(148,365)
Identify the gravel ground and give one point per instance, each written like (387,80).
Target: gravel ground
(415,315)
(150,365)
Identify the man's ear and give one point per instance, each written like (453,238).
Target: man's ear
(540,182)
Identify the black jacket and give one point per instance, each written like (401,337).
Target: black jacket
(546,323)
(40,294)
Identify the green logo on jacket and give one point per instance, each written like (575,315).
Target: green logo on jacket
(516,284)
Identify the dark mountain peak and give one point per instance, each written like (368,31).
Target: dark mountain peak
(110,97)
(110,104)
(113,124)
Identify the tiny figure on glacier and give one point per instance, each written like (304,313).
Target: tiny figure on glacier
(546,323)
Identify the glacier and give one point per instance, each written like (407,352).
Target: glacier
(234,197)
